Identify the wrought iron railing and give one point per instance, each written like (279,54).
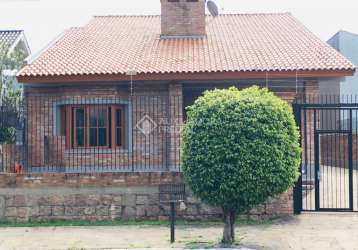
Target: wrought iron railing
(91,134)
(329,140)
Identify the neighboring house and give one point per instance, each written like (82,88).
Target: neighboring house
(344,89)
(347,44)
(14,41)
(111,97)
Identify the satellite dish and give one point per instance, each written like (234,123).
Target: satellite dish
(212,7)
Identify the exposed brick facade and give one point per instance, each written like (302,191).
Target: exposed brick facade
(161,103)
(106,197)
(334,150)
(176,119)
(160,150)
(183,18)
(311,92)
(9,156)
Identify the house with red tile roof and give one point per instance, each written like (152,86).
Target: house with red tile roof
(110,97)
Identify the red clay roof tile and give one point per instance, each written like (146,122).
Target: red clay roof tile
(111,45)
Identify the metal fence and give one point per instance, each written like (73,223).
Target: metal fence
(52,133)
(329,139)
(91,134)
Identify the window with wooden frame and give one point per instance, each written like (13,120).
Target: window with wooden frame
(93,126)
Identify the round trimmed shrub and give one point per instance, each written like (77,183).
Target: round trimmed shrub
(239,149)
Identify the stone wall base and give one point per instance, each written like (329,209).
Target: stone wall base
(106,197)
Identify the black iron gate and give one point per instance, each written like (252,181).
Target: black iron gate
(329,141)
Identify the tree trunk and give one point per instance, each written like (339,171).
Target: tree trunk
(229,228)
(233,220)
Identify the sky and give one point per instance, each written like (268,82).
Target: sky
(44,20)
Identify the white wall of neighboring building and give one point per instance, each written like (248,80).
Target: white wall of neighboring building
(347,44)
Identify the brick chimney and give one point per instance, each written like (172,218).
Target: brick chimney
(183,18)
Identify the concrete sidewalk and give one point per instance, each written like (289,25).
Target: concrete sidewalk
(308,231)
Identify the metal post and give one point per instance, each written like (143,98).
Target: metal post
(172,194)
(350,161)
(316,160)
(297,191)
(172,222)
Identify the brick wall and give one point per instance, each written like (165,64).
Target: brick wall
(311,92)
(106,197)
(176,119)
(10,155)
(183,18)
(334,150)
(160,150)
(46,147)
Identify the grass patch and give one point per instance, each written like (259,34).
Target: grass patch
(120,222)
(200,243)
(84,223)
(257,222)
(197,243)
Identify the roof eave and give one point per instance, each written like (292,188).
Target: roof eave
(188,76)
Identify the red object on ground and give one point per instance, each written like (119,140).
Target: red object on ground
(18,168)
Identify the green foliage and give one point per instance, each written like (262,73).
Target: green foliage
(10,61)
(10,99)
(8,135)
(240,148)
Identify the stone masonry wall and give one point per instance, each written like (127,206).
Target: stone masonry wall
(42,197)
